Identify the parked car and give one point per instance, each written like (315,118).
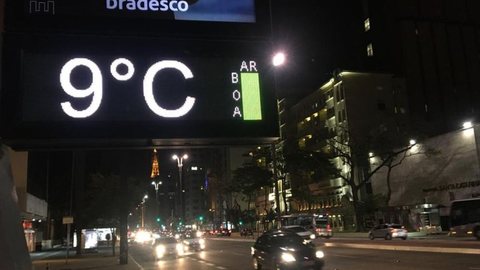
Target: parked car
(168,246)
(388,231)
(284,249)
(302,232)
(246,232)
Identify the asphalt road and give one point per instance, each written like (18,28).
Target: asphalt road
(235,255)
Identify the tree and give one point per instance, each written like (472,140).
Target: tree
(307,167)
(102,198)
(248,179)
(355,153)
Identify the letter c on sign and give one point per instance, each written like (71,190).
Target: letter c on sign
(148,89)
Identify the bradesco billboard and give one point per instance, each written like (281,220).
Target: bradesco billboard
(61,88)
(153,16)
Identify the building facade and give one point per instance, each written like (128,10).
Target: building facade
(434,45)
(347,108)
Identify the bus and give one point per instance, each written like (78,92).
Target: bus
(319,224)
(465,218)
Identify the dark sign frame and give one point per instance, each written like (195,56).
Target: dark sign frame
(88,23)
(23,134)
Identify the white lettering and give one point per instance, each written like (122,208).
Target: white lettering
(153,5)
(112,4)
(244,66)
(236,95)
(142,5)
(234,77)
(127,63)
(120,4)
(131,5)
(95,89)
(182,6)
(172,5)
(163,5)
(253,66)
(237,113)
(146,5)
(148,89)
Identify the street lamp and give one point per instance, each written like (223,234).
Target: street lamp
(279,59)
(156,185)
(143,210)
(180,165)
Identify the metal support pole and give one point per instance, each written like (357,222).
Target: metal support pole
(275,179)
(182,212)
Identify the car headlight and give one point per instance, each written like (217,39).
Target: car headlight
(160,250)
(199,234)
(180,249)
(319,254)
(312,236)
(287,257)
(252,250)
(201,241)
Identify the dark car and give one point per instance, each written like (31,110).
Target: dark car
(246,232)
(223,232)
(388,231)
(281,249)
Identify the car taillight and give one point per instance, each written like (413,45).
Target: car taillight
(328,228)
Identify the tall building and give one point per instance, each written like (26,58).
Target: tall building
(435,46)
(351,104)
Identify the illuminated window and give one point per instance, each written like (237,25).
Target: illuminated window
(366,24)
(370,49)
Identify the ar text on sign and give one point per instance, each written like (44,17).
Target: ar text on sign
(248,97)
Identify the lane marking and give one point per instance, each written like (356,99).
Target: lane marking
(407,248)
(134,261)
(342,256)
(221,268)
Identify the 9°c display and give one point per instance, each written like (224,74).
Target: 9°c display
(249,84)
(163,91)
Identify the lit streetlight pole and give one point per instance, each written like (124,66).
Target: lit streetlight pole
(156,184)
(143,210)
(180,165)
(278,60)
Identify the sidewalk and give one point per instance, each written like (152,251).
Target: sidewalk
(100,261)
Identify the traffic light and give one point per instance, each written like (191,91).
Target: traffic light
(200,218)
(240,222)
(158,219)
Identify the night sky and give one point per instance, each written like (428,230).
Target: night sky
(318,37)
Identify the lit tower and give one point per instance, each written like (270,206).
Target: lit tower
(155,169)
(156,183)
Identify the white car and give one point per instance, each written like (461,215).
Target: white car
(168,246)
(304,233)
(388,231)
(193,241)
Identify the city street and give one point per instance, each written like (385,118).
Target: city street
(342,253)
(234,254)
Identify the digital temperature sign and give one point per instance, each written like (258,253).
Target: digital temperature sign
(136,89)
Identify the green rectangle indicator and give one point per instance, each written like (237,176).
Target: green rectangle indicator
(252,107)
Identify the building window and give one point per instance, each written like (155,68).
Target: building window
(366,24)
(370,49)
